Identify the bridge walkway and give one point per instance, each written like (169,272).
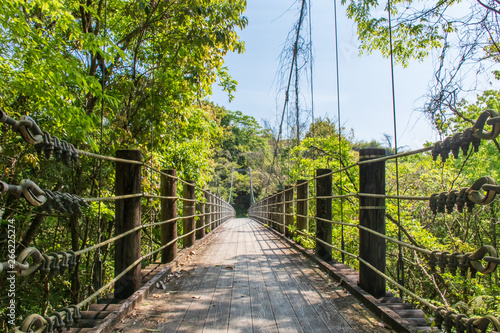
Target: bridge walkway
(247,279)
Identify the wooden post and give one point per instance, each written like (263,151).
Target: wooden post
(127,216)
(200,222)
(372,216)
(216,207)
(168,188)
(217,210)
(288,209)
(188,209)
(208,212)
(302,204)
(276,206)
(324,211)
(268,211)
(265,210)
(280,205)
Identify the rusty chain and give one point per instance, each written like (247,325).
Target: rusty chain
(465,261)
(64,203)
(471,136)
(44,143)
(482,192)
(30,260)
(447,320)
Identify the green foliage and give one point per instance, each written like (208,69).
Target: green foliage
(419,175)
(242,145)
(413,36)
(144,66)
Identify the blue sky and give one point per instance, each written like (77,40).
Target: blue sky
(365,81)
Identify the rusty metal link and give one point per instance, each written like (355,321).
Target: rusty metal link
(474,192)
(453,263)
(54,265)
(483,323)
(66,318)
(44,143)
(432,262)
(466,197)
(490,117)
(446,201)
(448,319)
(443,261)
(64,203)
(463,201)
(26,126)
(460,324)
(58,322)
(451,200)
(33,323)
(465,262)
(27,189)
(479,255)
(471,136)
(60,149)
(438,317)
(48,264)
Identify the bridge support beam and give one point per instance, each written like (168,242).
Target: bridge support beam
(168,188)
(127,217)
(324,212)
(372,216)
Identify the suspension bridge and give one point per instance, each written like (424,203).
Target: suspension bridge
(247,275)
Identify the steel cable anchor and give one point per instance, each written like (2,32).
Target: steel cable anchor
(26,126)
(27,189)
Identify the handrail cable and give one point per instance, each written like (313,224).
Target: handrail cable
(400,264)
(342,241)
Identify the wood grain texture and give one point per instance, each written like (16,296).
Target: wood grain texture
(247,279)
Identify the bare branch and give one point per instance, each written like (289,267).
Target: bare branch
(488,7)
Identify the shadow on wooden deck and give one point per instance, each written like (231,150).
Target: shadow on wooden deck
(245,278)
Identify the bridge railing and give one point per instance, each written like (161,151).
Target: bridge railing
(200,212)
(290,211)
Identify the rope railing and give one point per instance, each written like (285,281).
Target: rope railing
(213,212)
(52,262)
(286,216)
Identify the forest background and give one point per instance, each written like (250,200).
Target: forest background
(116,74)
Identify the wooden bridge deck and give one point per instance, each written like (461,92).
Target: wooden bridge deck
(246,279)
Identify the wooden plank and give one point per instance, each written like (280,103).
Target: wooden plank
(218,313)
(201,297)
(262,313)
(284,314)
(180,302)
(240,315)
(250,280)
(307,316)
(351,312)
